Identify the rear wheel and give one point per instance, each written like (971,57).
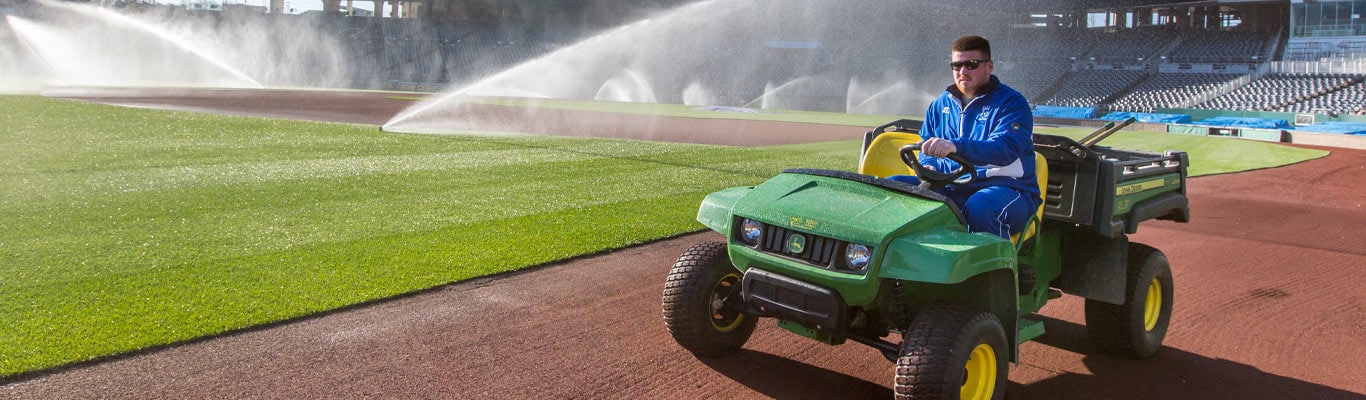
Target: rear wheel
(1137,327)
(702,302)
(953,351)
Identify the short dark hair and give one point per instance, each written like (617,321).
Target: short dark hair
(972,42)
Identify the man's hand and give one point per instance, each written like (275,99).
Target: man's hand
(939,148)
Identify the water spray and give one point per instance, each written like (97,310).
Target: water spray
(122,24)
(725,53)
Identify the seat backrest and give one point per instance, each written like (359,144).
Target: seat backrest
(1040,172)
(883,157)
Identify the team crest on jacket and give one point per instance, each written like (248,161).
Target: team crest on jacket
(986,111)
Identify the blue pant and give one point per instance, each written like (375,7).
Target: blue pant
(997,210)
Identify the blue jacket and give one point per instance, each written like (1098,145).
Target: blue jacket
(997,134)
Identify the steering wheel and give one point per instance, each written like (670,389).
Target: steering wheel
(935,179)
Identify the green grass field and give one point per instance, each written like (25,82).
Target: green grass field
(125,229)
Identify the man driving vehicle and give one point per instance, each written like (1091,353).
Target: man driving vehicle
(990,125)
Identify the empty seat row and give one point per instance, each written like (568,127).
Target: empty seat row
(1272,90)
(1219,46)
(1088,88)
(1170,90)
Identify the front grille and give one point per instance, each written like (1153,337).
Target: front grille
(815,250)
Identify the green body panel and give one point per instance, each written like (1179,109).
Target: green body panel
(716,209)
(1029,329)
(1130,193)
(815,334)
(945,256)
(838,208)
(1046,258)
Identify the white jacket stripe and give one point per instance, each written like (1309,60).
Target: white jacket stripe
(1014,170)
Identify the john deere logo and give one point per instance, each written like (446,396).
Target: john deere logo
(796,243)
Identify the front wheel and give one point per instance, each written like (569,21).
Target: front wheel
(702,302)
(953,351)
(1136,328)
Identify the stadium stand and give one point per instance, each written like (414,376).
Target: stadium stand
(1131,45)
(1088,88)
(1306,92)
(1032,78)
(1167,90)
(1343,95)
(1206,45)
(1041,44)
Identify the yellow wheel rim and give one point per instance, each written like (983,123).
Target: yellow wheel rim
(721,320)
(979,375)
(1154,305)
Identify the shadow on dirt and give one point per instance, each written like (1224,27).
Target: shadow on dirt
(782,378)
(1171,374)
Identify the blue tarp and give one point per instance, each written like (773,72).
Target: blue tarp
(1245,122)
(1349,128)
(1149,117)
(1065,112)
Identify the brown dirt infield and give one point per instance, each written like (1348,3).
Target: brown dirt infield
(1270,304)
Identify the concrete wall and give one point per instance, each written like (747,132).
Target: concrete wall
(1329,140)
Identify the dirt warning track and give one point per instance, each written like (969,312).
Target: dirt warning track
(1270,304)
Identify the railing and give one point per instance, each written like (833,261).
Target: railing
(1330,30)
(1357,66)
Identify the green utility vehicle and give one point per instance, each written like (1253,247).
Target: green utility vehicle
(839,256)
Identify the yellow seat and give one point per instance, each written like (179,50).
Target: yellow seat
(1032,227)
(883,158)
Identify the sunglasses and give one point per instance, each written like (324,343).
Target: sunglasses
(970,64)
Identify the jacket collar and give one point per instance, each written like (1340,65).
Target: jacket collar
(991,86)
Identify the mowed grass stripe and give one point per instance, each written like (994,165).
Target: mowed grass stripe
(115,312)
(125,229)
(179,225)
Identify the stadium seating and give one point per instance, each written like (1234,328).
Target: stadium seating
(1346,98)
(1170,90)
(1042,44)
(1219,46)
(1307,91)
(1032,78)
(1088,88)
(1130,45)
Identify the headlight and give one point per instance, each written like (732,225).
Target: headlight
(857,256)
(750,230)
